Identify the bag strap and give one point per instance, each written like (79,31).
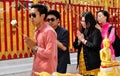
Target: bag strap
(109,30)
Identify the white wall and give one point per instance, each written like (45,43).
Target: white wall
(22,67)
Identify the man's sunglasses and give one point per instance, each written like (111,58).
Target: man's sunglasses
(51,19)
(32,15)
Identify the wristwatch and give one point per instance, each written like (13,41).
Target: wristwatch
(35,49)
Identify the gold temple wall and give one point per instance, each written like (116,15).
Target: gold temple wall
(70,17)
(106,3)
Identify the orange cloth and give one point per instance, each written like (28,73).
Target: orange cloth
(82,67)
(45,59)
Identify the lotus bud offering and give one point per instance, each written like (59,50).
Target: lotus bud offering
(13,22)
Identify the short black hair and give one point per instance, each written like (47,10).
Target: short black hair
(55,13)
(41,8)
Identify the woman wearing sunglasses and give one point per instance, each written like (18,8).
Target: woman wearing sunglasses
(53,19)
(44,44)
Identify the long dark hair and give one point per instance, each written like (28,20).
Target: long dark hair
(90,23)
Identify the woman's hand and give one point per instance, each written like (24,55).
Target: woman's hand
(98,27)
(80,36)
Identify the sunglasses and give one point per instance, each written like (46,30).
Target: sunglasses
(51,19)
(32,15)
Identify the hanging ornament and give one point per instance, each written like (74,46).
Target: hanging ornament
(35,1)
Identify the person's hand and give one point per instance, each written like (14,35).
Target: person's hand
(61,46)
(29,42)
(98,27)
(80,36)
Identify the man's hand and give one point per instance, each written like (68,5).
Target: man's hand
(29,42)
(61,46)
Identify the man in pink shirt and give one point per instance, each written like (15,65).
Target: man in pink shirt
(44,47)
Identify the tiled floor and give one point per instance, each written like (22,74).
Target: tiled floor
(18,74)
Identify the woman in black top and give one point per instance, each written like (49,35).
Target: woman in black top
(88,42)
